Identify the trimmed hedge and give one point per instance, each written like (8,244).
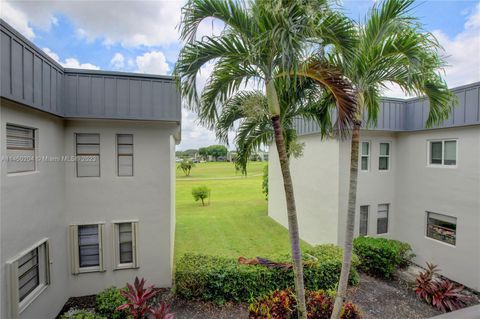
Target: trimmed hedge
(221,279)
(381,257)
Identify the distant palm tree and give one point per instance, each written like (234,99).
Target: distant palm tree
(270,43)
(391,46)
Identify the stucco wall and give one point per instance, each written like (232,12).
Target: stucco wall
(450,191)
(145,197)
(316,184)
(32,208)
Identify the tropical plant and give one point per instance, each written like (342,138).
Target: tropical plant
(201,193)
(391,47)
(81,314)
(440,293)
(186,166)
(276,45)
(141,302)
(108,301)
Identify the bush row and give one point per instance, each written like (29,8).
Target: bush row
(221,279)
(382,257)
(281,304)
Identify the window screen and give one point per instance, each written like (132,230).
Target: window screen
(21,145)
(384,158)
(382,219)
(365,156)
(125,154)
(88,155)
(363,220)
(88,246)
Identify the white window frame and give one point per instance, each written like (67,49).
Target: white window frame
(35,147)
(367,156)
(120,155)
(388,218)
(389,156)
(116,245)
(443,165)
(360,219)
(17,306)
(427,213)
(75,251)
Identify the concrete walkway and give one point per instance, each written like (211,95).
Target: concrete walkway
(465,313)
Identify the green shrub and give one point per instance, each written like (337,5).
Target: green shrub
(107,301)
(81,314)
(281,304)
(221,279)
(381,257)
(201,193)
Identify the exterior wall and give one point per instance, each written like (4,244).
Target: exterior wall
(410,186)
(33,208)
(146,197)
(315,180)
(375,186)
(450,191)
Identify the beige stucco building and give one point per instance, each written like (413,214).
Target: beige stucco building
(418,185)
(87,179)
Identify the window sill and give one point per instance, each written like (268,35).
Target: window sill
(87,270)
(125,266)
(31,297)
(440,242)
(441,166)
(25,173)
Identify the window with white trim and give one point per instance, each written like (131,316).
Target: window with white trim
(442,228)
(125,154)
(365,157)
(88,154)
(382,218)
(363,230)
(384,157)
(125,243)
(29,276)
(21,144)
(442,153)
(87,242)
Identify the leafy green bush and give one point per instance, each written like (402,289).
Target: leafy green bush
(108,300)
(281,304)
(201,193)
(221,279)
(81,314)
(382,257)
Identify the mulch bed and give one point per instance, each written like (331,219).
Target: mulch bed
(379,299)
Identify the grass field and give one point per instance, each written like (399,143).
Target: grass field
(235,223)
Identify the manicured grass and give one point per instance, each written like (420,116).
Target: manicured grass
(235,223)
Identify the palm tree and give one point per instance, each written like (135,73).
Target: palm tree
(268,42)
(392,47)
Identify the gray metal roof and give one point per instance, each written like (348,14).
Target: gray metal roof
(30,77)
(399,115)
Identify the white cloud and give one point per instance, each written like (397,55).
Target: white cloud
(152,62)
(463,51)
(118,61)
(130,23)
(17,19)
(70,62)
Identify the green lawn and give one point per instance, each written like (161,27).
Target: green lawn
(235,223)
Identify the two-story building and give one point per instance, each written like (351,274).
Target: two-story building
(417,185)
(87,179)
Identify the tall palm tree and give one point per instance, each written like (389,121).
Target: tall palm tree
(391,47)
(268,42)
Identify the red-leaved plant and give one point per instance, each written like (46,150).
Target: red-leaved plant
(440,293)
(140,302)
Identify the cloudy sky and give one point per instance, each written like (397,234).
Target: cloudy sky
(141,36)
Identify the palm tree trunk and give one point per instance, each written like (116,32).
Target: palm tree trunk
(349,231)
(292,218)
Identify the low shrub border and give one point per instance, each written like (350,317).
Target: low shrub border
(281,304)
(381,257)
(220,279)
